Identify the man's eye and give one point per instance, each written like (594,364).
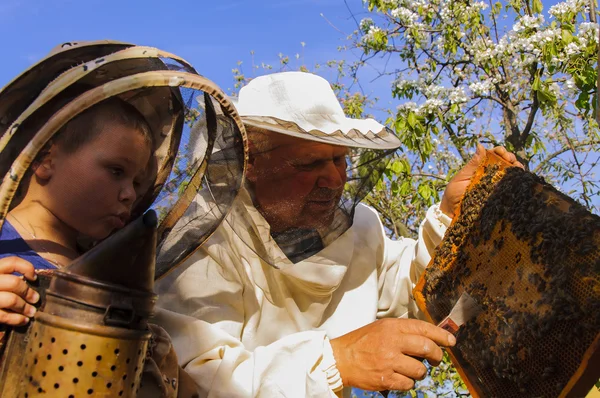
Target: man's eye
(340,160)
(307,166)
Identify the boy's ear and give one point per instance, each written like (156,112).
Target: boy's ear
(44,168)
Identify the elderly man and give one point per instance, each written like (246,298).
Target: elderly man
(284,298)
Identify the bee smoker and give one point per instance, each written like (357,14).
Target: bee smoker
(90,335)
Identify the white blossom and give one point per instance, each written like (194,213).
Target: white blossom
(370,35)
(365,23)
(431,106)
(572,49)
(405,15)
(566,7)
(458,96)
(407,106)
(481,88)
(528,22)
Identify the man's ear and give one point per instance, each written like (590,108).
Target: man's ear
(250,172)
(44,167)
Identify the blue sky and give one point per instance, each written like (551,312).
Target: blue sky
(211,35)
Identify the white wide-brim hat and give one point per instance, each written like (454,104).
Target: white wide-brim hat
(304,105)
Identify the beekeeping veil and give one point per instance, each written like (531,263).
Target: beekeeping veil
(300,191)
(198,139)
(91,337)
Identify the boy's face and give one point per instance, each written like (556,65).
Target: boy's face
(93,189)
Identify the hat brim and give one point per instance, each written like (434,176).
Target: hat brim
(347,132)
(17,95)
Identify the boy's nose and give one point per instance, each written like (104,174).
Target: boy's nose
(127,194)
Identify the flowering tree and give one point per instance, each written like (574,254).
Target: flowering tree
(502,73)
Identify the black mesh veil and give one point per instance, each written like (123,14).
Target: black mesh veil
(195,139)
(209,193)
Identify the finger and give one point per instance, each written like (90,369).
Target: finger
(8,265)
(500,151)
(12,319)
(399,382)
(421,347)
(508,156)
(410,367)
(10,301)
(479,155)
(480,150)
(436,334)
(16,284)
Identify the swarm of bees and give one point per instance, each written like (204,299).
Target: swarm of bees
(529,255)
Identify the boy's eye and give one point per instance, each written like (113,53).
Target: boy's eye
(116,171)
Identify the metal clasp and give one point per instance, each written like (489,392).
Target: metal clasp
(119,316)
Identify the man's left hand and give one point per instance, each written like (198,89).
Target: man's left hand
(458,185)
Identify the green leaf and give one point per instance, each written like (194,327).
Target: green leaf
(582,102)
(567,37)
(412,119)
(536,83)
(397,167)
(425,191)
(405,187)
(537,6)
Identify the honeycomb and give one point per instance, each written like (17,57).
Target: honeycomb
(529,256)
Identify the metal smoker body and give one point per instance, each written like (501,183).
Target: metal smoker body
(90,336)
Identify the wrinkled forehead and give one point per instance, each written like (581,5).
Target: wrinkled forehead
(274,143)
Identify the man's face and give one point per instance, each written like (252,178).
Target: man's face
(297,183)
(93,189)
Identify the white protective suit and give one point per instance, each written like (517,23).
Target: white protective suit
(243,328)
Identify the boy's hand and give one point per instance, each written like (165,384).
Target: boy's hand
(16,296)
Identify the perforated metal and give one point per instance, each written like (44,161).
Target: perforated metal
(69,361)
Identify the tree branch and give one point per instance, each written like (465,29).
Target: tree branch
(527,130)
(553,155)
(429,175)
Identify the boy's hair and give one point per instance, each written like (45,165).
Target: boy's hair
(87,125)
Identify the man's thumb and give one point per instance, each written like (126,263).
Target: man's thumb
(478,157)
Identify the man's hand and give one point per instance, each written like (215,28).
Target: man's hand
(458,185)
(382,355)
(16,296)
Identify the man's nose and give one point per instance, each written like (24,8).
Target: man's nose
(330,177)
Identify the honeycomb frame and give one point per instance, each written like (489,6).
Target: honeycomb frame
(529,255)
